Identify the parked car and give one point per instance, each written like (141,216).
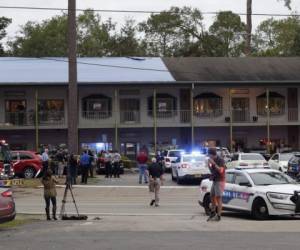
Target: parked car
(294,167)
(242,160)
(190,167)
(26,164)
(171,156)
(6,166)
(221,151)
(7,205)
(279,161)
(259,192)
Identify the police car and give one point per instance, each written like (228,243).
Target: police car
(190,166)
(260,192)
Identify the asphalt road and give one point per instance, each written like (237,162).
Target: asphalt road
(120,218)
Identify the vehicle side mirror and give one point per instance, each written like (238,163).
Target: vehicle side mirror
(245,184)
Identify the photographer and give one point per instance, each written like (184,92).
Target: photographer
(49,183)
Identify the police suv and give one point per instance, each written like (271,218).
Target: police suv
(260,192)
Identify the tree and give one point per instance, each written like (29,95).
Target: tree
(94,35)
(228,31)
(49,38)
(4,22)
(162,31)
(287,3)
(278,37)
(126,42)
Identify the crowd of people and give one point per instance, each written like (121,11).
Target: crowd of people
(151,171)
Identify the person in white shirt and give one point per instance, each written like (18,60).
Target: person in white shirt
(45,160)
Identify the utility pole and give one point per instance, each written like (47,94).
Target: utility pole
(192,116)
(154,121)
(268,120)
(72,90)
(249,28)
(36,121)
(230,121)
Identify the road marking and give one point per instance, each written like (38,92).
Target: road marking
(135,187)
(121,214)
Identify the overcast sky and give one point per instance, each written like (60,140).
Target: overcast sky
(20,17)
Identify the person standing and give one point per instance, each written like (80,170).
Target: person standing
(155,173)
(92,159)
(217,168)
(61,163)
(73,165)
(116,164)
(49,183)
(45,161)
(142,160)
(108,164)
(85,165)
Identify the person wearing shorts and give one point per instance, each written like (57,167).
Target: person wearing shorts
(217,168)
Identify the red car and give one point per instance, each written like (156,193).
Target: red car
(26,164)
(7,205)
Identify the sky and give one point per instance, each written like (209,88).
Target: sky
(20,17)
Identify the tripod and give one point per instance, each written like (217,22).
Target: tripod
(63,215)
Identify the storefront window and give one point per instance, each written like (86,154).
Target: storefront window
(207,105)
(15,112)
(276,103)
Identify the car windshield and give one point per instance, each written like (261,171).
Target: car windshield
(191,158)
(286,157)
(252,157)
(270,178)
(175,153)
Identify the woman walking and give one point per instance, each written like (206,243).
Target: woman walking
(49,183)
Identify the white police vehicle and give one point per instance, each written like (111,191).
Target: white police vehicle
(260,192)
(189,167)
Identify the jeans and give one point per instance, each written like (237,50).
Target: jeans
(108,169)
(84,175)
(47,200)
(116,169)
(142,171)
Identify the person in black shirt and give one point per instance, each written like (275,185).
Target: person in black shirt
(155,174)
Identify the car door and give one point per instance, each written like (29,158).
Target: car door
(242,192)
(274,162)
(229,193)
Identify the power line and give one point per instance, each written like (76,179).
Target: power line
(140,11)
(98,64)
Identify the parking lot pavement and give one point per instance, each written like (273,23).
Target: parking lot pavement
(129,179)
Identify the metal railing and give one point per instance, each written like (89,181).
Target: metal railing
(45,118)
(96,115)
(240,115)
(292,114)
(132,116)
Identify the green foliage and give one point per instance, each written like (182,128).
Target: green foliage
(4,22)
(278,37)
(228,31)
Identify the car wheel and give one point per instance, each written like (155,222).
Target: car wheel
(260,209)
(206,204)
(173,177)
(179,181)
(29,172)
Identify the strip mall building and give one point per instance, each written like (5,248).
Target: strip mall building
(127,103)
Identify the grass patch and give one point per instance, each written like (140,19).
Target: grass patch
(18,221)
